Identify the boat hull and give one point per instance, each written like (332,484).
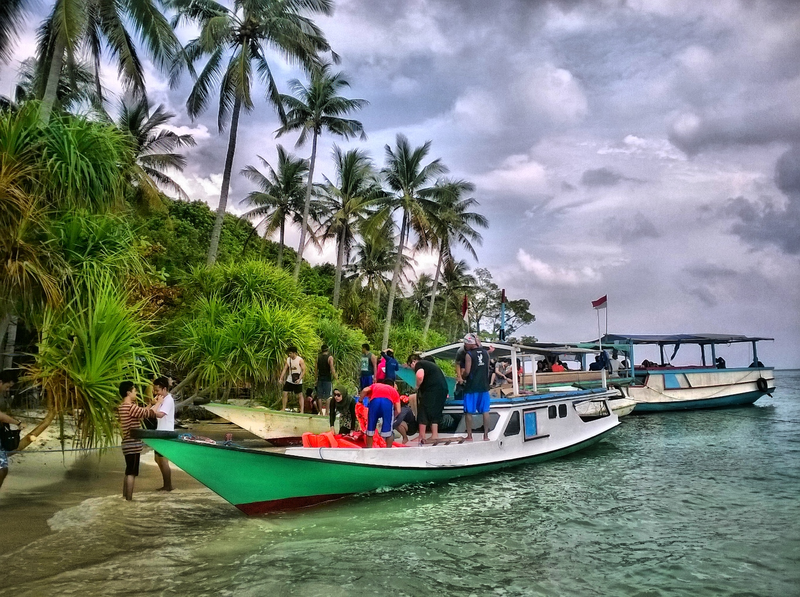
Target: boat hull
(267,424)
(279,482)
(263,480)
(689,389)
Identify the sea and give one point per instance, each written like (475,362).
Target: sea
(671,504)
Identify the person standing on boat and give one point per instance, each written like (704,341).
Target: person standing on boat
(384,404)
(431,395)
(130,417)
(477,376)
(326,373)
(344,407)
(166,422)
(292,377)
(369,365)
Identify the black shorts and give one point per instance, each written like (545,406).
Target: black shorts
(294,388)
(430,407)
(132,464)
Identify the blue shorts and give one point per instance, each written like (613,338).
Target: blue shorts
(380,408)
(3,459)
(476,402)
(366,380)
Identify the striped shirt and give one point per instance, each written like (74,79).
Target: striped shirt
(130,416)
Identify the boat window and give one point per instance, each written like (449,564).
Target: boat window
(551,411)
(562,410)
(530,424)
(513,425)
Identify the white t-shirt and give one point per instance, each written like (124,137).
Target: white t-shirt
(167,422)
(615,364)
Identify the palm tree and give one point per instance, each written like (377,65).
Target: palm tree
(409,180)
(374,261)
(453,224)
(348,202)
(314,109)
(243,34)
(456,280)
(11,13)
(154,148)
(99,25)
(280,194)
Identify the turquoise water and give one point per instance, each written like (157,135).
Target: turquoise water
(694,503)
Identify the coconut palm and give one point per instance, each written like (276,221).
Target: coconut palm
(99,26)
(452,224)
(11,14)
(315,109)
(235,41)
(412,185)
(280,195)
(457,281)
(374,261)
(348,202)
(75,89)
(154,148)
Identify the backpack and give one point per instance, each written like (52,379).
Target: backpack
(9,439)
(380,374)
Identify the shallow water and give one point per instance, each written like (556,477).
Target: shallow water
(694,503)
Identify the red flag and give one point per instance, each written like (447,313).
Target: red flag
(464,307)
(600,303)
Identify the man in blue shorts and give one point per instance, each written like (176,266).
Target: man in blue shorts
(476,375)
(369,365)
(384,403)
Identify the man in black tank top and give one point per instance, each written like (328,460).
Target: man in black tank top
(476,375)
(326,373)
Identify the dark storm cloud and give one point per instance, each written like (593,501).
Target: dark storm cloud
(762,223)
(629,230)
(603,177)
(747,128)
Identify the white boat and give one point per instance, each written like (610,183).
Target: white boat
(662,387)
(522,430)
(270,424)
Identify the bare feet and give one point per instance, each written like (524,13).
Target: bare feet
(486,438)
(468,438)
(165,488)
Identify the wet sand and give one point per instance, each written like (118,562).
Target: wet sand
(43,480)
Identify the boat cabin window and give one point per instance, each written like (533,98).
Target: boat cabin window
(551,411)
(562,410)
(513,425)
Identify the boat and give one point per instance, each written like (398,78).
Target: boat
(526,356)
(664,387)
(523,430)
(270,424)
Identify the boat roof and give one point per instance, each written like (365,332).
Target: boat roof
(677,339)
(504,349)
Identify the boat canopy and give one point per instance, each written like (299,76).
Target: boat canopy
(676,339)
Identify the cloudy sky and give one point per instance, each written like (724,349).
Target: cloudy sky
(644,149)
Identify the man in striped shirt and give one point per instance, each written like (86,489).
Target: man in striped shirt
(130,417)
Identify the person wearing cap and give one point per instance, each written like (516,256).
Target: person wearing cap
(477,375)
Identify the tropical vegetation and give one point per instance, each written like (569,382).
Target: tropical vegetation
(109,270)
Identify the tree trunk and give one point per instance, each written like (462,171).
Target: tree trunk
(4,323)
(337,283)
(11,343)
(226,183)
(433,295)
(37,431)
(395,278)
(53,76)
(306,207)
(280,244)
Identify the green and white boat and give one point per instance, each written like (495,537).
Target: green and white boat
(523,430)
